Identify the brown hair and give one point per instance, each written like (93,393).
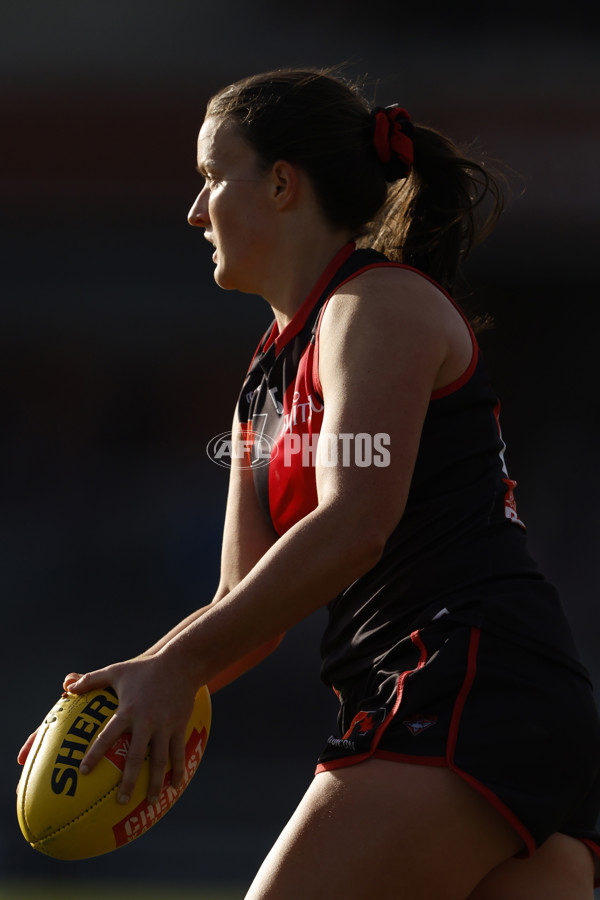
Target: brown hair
(324,124)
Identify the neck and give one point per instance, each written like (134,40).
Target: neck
(299,266)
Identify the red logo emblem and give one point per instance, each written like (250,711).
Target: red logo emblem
(118,752)
(146,814)
(364,722)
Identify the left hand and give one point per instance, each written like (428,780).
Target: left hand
(154,708)
(25,749)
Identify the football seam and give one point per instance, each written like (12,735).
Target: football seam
(81,815)
(26,785)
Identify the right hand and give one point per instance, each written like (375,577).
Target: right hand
(24,751)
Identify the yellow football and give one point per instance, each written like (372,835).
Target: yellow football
(71,816)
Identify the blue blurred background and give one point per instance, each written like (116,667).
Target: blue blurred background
(120,359)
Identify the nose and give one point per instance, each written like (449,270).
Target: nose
(198,214)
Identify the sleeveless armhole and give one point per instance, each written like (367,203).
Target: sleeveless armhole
(440,392)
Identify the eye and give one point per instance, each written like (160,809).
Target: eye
(210,181)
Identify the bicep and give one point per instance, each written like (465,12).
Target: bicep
(380,356)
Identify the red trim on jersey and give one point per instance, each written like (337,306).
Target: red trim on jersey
(301,315)
(510,505)
(462,379)
(440,392)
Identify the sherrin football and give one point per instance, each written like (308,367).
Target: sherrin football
(71,816)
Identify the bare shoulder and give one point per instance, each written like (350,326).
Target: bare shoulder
(398,311)
(396,295)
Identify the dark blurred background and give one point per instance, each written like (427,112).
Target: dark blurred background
(120,359)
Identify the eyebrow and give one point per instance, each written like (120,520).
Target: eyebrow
(205,166)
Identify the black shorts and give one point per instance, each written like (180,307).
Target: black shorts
(518,726)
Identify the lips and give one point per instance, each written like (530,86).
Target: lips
(210,241)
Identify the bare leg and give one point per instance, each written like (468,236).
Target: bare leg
(386,830)
(561,869)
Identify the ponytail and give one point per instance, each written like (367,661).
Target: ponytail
(434,217)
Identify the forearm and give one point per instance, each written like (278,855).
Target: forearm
(243,665)
(303,571)
(181,626)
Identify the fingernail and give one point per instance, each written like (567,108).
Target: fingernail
(123,798)
(84,770)
(152,800)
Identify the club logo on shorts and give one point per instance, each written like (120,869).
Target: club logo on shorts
(419,724)
(361,731)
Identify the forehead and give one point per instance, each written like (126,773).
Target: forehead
(220,142)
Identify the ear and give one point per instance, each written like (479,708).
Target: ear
(285,183)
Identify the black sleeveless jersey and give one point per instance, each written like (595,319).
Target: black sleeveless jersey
(459,549)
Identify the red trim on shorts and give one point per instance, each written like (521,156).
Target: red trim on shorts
(506,813)
(448,760)
(341,763)
(489,795)
(463,693)
(435,761)
(439,761)
(595,849)
(361,757)
(416,639)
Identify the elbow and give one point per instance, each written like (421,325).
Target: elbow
(365,550)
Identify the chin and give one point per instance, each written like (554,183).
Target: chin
(223,281)
(228,280)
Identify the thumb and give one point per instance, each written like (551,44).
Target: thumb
(91,681)
(70,679)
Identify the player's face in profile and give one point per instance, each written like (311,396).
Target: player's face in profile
(232,207)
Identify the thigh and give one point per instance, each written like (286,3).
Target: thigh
(387,830)
(561,869)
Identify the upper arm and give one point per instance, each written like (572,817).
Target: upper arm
(385,343)
(247,534)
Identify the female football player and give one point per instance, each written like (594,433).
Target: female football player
(369,475)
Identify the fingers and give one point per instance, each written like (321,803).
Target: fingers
(177,755)
(159,759)
(136,755)
(24,751)
(162,752)
(102,743)
(143,716)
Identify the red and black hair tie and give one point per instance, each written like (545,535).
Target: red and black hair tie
(393,139)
